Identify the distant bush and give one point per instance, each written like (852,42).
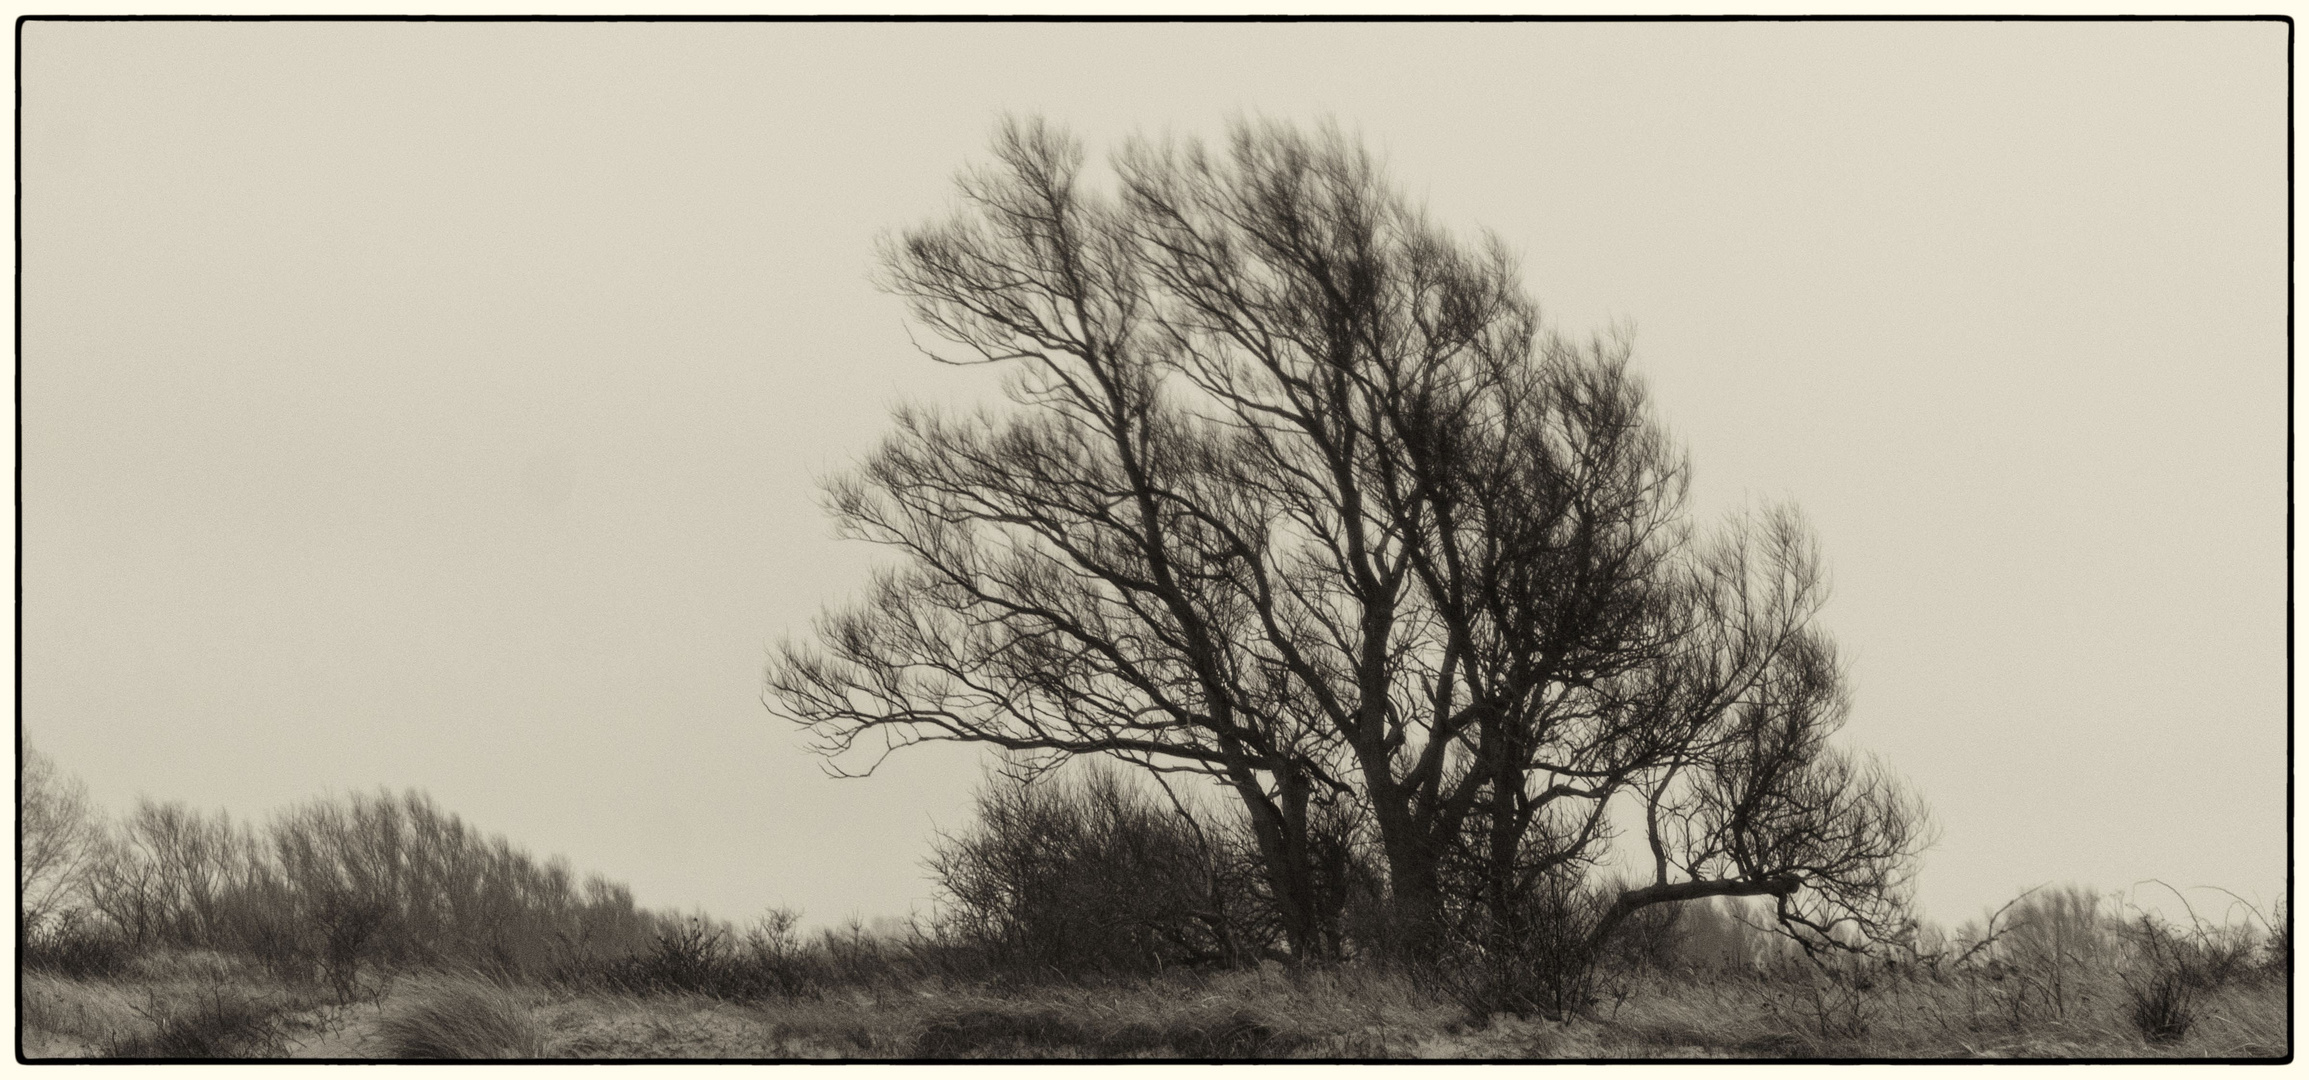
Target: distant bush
(397,881)
(56,834)
(771,959)
(853,955)
(693,956)
(333,889)
(1089,876)
(2058,925)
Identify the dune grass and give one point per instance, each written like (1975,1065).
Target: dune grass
(175,1005)
(459,1019)
(207,1006)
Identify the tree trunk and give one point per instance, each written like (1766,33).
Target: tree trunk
(1507,909)
(1415,909)
(1284,853)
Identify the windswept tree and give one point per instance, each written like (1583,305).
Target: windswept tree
(56,835)
(1295,492)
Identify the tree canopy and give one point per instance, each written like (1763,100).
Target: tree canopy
(1296,492)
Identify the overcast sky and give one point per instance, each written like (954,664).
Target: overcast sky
(440,406)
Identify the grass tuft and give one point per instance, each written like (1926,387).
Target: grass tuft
(461,1020)
(2163,1008)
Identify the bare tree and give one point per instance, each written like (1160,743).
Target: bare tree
(1299,495)
(166,872)
(56,832)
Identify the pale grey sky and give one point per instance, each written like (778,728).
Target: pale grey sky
(438,406)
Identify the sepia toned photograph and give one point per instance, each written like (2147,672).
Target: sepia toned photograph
(1208,540)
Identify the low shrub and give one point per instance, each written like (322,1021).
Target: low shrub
(69,944)
(1541,962)
(689,957)
(218,1022)
(307,896)
(1093,877)
(2174,969)
(2162,1006)
(697,956)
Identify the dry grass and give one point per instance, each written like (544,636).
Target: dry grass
(70,1018)
(665,1027)
(459,1019)
(1788,1011)
(167,1005)
(1795,1012)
